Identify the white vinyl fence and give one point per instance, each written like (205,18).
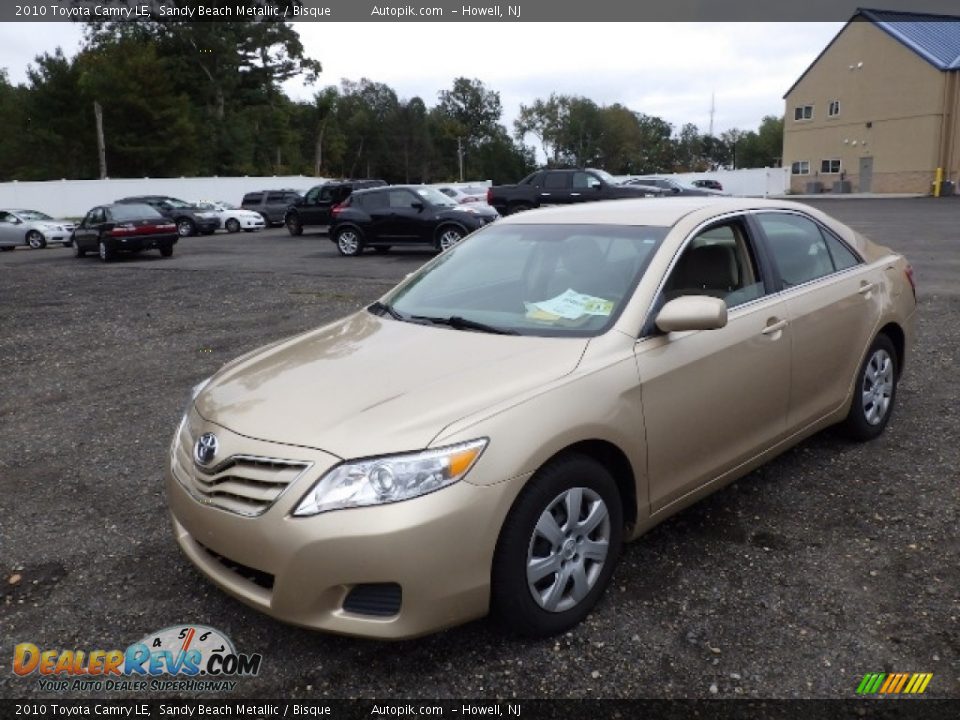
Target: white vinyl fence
(73,198)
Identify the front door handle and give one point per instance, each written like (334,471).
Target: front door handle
(774,326)
(866,288)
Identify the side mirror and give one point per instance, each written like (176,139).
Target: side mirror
(692,312)
(418,206)
(676,190)
(17,221)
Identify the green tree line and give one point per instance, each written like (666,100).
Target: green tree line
(205,98)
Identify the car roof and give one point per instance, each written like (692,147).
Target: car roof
(661,212)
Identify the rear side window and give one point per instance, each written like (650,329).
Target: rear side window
(252,198)
(798,247)
(557,181)
(276,197)
(843,257)
(372,201)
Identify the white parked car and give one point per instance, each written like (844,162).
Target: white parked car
(33,228)
(464,194)
(232,218)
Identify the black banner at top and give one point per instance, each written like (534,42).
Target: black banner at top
(457,10)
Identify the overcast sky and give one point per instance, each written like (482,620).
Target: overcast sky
(669,70)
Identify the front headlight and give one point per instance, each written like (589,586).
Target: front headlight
(391,478)
(194,392)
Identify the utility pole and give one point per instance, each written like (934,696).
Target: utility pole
(713,109)
(101,148)
(460,156)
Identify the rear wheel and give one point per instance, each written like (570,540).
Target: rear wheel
(558,547)
(232,225)
(166,250)
(186,227)
(78,251)
(7,248)
(875,391)
(107,254)
(349,242)
(36,240)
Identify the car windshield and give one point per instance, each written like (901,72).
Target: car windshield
(435,197)
(134,212)
(32,215)
(225,205)
(555,280)
(173,202)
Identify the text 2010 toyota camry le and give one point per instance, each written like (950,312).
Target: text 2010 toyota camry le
(489,433)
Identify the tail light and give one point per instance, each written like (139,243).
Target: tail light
(913,285)
(490,196)
(121,230)
(336,210)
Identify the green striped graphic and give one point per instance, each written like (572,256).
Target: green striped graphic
(870,683)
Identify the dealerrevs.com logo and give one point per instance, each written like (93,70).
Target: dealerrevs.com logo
(178,658)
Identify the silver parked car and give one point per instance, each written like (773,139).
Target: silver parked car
(33,228)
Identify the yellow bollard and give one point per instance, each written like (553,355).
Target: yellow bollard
(937,182)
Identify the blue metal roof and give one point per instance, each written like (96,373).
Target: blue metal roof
(935,38)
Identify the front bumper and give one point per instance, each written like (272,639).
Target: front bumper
(207,224)
(438,548)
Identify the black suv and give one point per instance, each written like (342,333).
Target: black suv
(403,215)
(271,204)
(314,207)
(190,219)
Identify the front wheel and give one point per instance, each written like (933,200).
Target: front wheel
(78,251)
(36,240)
(166,250)
(874,392)
(294,226)
(449,236)
(232,225)
(349,242)
(558,547)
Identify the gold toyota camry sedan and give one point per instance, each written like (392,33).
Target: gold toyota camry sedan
(488,434)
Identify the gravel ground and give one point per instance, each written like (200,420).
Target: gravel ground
(830,562)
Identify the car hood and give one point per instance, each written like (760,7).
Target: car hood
(368,385)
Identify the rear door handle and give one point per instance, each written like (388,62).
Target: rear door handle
(773,327)
(574,194)
(865,288)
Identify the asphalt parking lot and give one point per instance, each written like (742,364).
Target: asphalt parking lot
(833,561)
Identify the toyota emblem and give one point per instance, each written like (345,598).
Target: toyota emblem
(206,449)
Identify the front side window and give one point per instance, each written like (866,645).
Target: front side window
(585,181)
(797,246)
(555,280)
(718,262)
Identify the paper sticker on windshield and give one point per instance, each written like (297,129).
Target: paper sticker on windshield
(569,305)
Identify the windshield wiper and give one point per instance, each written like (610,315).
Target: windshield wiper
(462,323)
(383,308)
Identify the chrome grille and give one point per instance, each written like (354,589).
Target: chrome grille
(242,484)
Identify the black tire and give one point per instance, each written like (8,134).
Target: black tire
(874,392)
(294,226)
(68,243)
(7,248)
(251,229)
(232,225)
(349,241)
(78,251)
(36,240)
(522,544)
(186,227)
(266,221)
(166,250)
(520,207)
(448,236)
(382,249)
(107,254)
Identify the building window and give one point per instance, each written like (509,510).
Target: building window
(833,109)
(800,167)
(803,112)
(830,167)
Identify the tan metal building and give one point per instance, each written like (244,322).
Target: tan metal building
(878,107)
